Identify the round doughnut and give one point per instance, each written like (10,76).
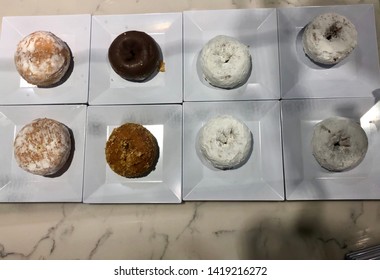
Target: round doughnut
(42,58)
(329,38)
(339,143)
(135,56)
(225,62)
(132,151)
(42,147)
(225,142)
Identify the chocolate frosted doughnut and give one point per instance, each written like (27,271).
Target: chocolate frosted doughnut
(134,55)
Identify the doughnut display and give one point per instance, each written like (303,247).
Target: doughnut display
(339,144)
(132,151)
(135,56)
(329,38)
(225,142)
(42,58)
(42,147)
(225,62)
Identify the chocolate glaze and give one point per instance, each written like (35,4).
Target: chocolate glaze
(134,55)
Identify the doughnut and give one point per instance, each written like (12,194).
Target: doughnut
(329,38)
(132,151)
(339,144)
(225,62)
(135,56)
(225,142)
(42,147)
(42,59)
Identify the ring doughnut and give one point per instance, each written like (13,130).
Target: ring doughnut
(339,143)
(42,58)
(135,56)
(225,62)
(42,147)
(329,38)
(225,142)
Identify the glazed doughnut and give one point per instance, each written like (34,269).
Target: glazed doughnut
(135,56)
(225,62)
(329,38)
(42,147)
(225,142)
(42,58)
(339,143)
(132,151)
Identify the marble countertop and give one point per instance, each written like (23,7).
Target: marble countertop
(191,230)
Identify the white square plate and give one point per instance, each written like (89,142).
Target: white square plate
(74,30)
(163,185)
(256,28)
(260,178)
(305,179)
(17,185)
(356,76)
(107,87)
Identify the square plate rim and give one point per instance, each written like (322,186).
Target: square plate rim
(175,86)
(284,11)
(172,198)
(249,94)
(83,70)
(278,195)
(80,109)
(291,193)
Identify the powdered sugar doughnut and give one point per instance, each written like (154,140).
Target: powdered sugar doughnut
(42,58)
(339,143)
(225,142)
(329,38)
(225,62)
(42,147)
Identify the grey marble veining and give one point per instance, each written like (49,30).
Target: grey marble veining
(198,230)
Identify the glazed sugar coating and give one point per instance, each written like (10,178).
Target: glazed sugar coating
(225,142)
(42,147)
(42,58)
(132,151)
(339,143)
(225,62)
(329,38)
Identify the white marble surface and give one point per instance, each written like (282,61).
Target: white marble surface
(208,230)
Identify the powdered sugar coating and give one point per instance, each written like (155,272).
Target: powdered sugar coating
(339,143)
(42,58)
(329,38)
(225,62)
(42,147)
(225,142)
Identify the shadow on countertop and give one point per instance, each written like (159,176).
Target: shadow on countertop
(312,235)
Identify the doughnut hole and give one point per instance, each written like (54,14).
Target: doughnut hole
(333,32)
